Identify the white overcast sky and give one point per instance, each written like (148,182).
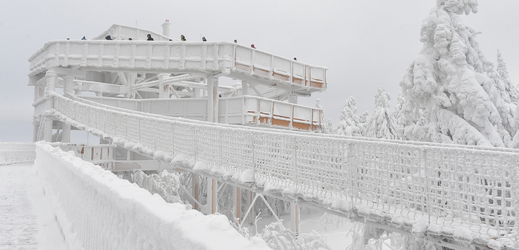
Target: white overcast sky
(364,44)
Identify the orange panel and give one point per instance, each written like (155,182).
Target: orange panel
(280,76)
(280,122)
(297,81)
(242,67)
(261,72)
(264,119)
(301,125)
(317,84)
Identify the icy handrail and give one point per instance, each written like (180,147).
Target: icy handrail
(451,186)
(98,210)
(331,136)
(173,56)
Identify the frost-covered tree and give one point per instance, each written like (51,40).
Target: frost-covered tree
(397,114)
(326,126)
(349,125)
(450,90)
(382,123)
(510,88)
(363,122)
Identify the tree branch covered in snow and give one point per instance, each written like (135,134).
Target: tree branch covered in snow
(382,123)
(349,122)
(451,92)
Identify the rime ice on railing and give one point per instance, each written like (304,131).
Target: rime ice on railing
(453,187)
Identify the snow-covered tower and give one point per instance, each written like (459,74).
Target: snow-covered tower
(175,78)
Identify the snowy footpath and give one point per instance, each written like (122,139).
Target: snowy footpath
(26,220)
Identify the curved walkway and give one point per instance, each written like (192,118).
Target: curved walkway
(26,220)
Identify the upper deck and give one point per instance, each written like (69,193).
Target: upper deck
(210,58)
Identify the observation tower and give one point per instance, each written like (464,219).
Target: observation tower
(176,79)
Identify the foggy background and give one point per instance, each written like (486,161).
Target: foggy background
(364,44)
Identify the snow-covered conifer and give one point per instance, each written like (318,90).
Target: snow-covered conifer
(382,123)
(510,88)
(450,92)
(348,124)
(363,122)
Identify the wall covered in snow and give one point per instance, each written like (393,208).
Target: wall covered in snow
(11,153)
(97,210)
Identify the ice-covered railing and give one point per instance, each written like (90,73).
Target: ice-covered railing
(467,193)
(239,61)
(232,110)
(15,152)
(97,210)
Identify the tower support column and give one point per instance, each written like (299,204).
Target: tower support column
(294,217)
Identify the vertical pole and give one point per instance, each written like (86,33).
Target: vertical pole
(294,217)
(250,201)
(212,116)
(69,89)
(52,79)
(65,132)
(163,88)
(237,203)
(47,135)
(214,195)
(195,184)
(210,98)
(69,85)
(212,198)
(50,87)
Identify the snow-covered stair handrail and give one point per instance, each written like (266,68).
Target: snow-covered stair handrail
(14,152)
(97,210)
(468,193)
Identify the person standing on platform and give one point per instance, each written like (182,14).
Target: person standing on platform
(150,38)
(182,38)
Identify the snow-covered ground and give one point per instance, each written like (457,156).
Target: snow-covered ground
(26,220)
(335,230)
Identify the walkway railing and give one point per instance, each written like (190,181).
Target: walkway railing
(467,193)
(244,110)
(172,56)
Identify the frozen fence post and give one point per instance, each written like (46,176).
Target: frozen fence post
(423,164)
